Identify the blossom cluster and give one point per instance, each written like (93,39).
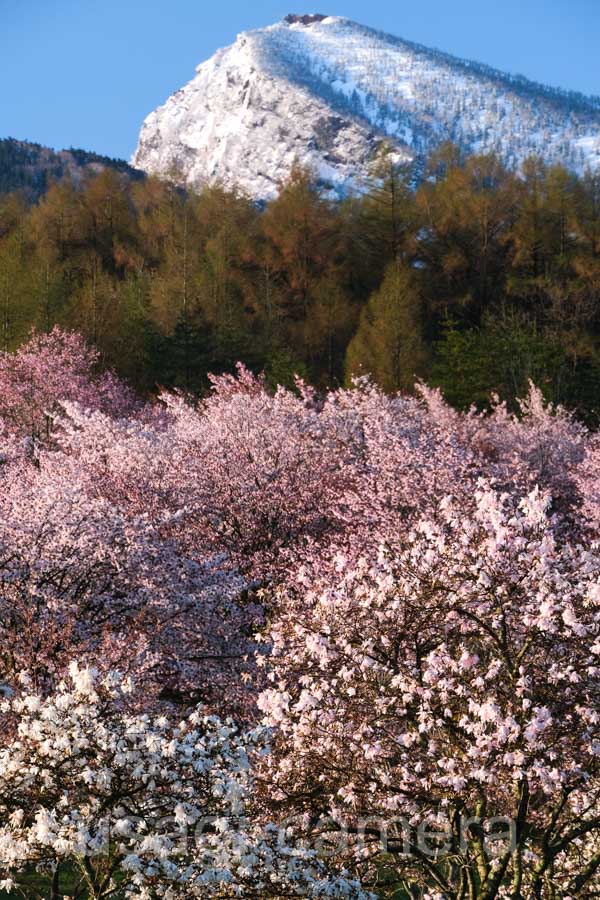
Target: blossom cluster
(137,802)
(239,630)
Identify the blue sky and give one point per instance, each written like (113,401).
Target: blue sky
(85,73)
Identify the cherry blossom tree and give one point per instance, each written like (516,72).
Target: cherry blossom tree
(542,446)
(441,680)
(587,477)
(47,370)
(258,470)
(76,575)
(258,476)
(243,473)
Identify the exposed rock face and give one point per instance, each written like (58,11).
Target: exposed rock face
(292,19)
(326,92)
(238,123)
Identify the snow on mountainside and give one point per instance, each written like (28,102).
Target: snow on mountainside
(326,92)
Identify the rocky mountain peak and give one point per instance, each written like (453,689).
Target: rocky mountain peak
(328,94)
(293,19)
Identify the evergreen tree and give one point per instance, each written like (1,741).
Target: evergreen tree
(388,221)
(388,344)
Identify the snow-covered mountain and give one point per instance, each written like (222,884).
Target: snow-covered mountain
(326,92)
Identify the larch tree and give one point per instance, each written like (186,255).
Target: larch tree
(388,344)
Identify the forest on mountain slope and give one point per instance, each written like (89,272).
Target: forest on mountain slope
(475,281)
(31,168)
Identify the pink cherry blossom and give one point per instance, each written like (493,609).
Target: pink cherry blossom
(408,597)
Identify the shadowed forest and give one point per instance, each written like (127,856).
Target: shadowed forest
(476,280)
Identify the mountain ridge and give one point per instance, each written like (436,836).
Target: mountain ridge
(587,100)
(30,167)
(327,92)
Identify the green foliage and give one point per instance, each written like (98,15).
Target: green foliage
(506,352)
(38,886)
(282,369)
(388,344)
